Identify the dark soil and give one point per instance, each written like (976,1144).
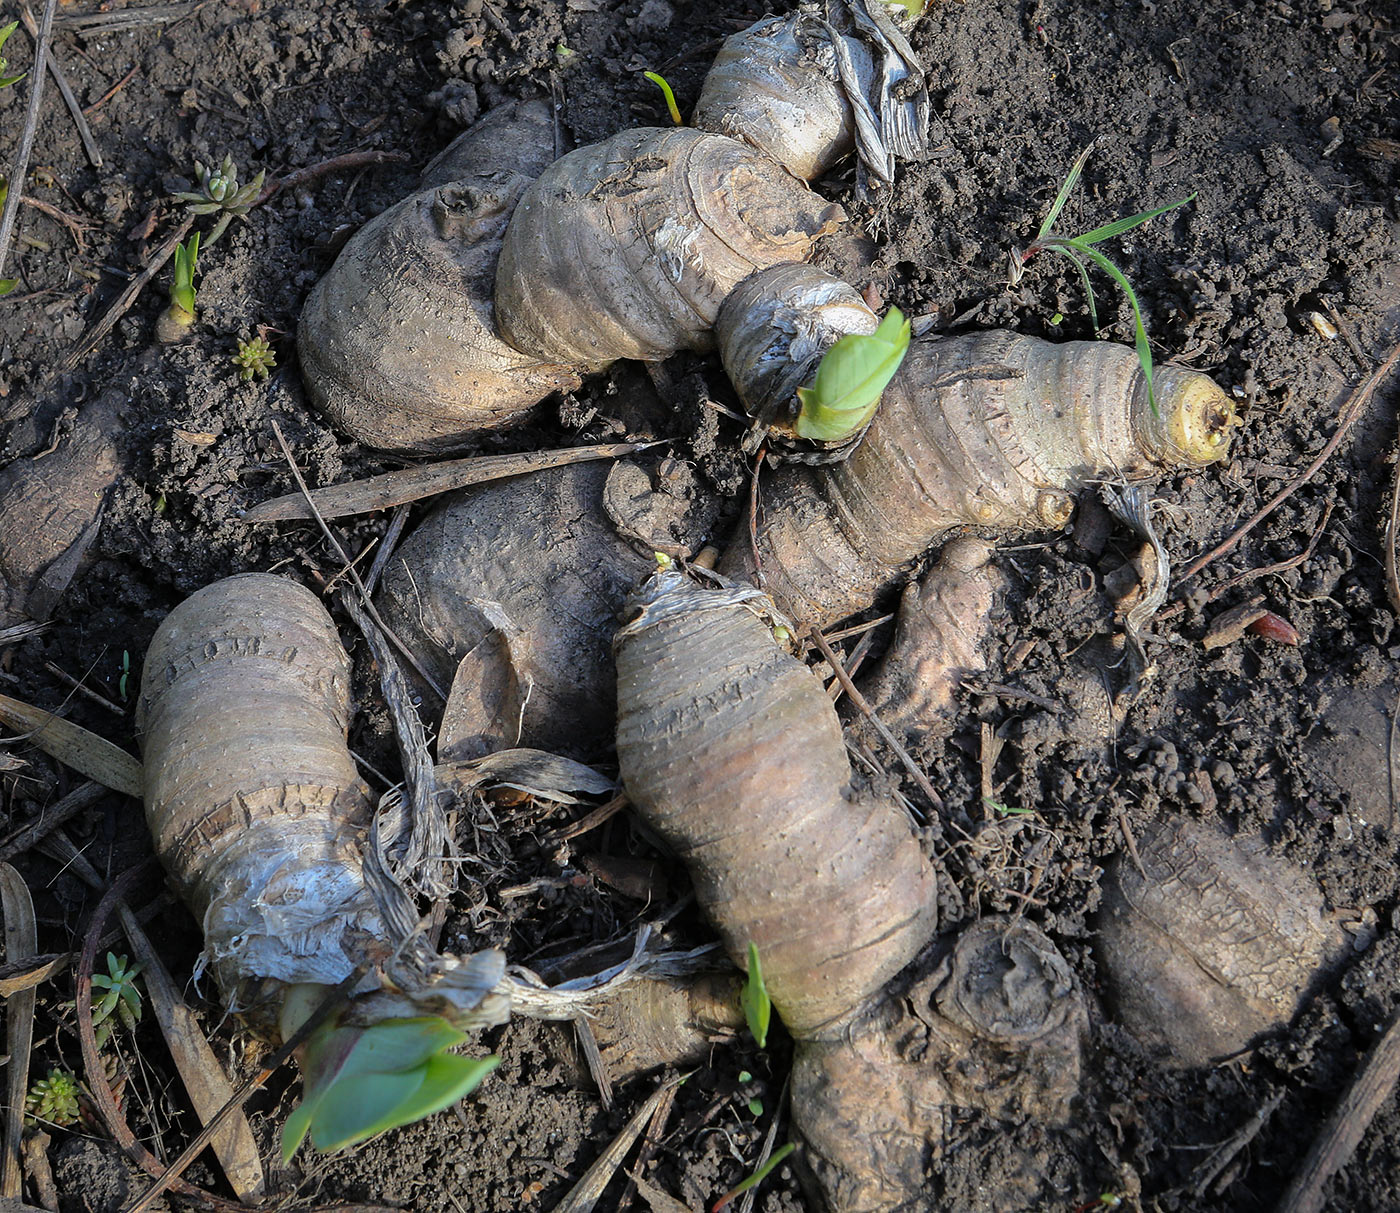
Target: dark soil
(1282,118)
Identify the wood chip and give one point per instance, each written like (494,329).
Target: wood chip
(75,746)
(389,489)
(1230,626)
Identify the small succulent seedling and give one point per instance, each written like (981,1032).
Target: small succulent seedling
(5,32)
(660,82)
(219,193)
(853,372)
(176,320)
(756,1178)
(120,997)
(758,1007)
(53,1100)
(126,674)
(1079,249)
(255,357)
(362,1081)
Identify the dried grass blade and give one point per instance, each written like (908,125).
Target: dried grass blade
(399,487)
(75,746)
(1392,533)
(209,1089)
(21,942)
(585,1194)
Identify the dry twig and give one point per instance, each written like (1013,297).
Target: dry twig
(1369,1091)
(26,140)
(1355,403)
(89,146)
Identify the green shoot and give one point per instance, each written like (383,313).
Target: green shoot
(5,32)
(360,1082)
(758,1007)
(254,357)
(756,1178)
(1006,810)
(182,292)
(126,674)
(1079,250)
(220,194)
(852,374)
(120,1001)
(660,82)
(6,284)
(912,9)
(175,322)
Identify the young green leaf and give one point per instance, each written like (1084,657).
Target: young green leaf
(758,1007)
(756,1178)
(852,374)
(660,82)
(1119,226)
(182,292)
(1063,196)
(363,1081)
(5,32)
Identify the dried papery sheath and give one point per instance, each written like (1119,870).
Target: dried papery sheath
(773,330)
(254,803)
(627,248)
(808,90)
(987,429)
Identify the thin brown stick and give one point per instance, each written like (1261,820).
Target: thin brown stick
(327,168)
(70,806)
(1254,574)
(92,1063)
(405,485)
(113,91)
(815,636)
(26,140)
(344,557)
(122,303)
(1369,1091)
(89,146)
(1351,410)
(76,227)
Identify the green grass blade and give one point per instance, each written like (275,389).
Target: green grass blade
(1119,226)
(756,1178)
(1144,350)
(1068,248)
(1063,196)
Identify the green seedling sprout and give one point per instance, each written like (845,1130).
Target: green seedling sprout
(758,1007)
(1006,810)
(660,82)
(120,997)
(5,32)
(1079,249)
(53,1100)
(126,674)
(853,372)
(255,357)
(177,319)
(756,1178)
(363,1081)
(219,193)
